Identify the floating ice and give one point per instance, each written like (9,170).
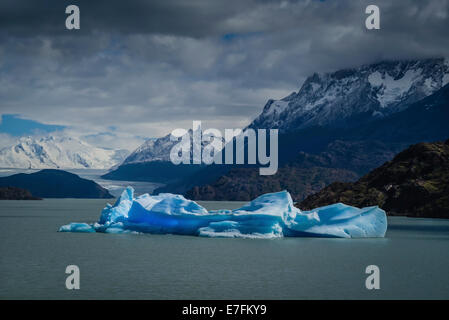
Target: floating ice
(271,215)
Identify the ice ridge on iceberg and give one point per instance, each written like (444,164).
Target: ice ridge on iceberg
(270,215)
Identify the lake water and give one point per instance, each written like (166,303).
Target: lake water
(413,260)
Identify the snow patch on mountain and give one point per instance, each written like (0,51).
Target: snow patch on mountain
(391,89)
(58,152)
(278,106)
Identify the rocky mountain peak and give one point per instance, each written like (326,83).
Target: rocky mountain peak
(350,96)
(414,183)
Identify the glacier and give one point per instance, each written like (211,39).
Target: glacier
(272,215)
(58,152)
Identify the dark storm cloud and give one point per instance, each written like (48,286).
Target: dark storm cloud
(179,17)
(146,67)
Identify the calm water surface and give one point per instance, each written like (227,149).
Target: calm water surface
(413,259)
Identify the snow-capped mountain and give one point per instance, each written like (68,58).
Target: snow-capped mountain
(152,150)
(58,152)
(158,149)
(355,95)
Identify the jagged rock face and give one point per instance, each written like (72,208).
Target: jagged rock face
(58,152)
(348,97)
(414,183)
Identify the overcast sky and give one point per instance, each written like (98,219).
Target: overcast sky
(140,69)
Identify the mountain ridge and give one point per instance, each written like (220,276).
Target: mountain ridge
(58,153)
(415,183)
(348,96)
(53,183)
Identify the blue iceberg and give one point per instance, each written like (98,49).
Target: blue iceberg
(271,215)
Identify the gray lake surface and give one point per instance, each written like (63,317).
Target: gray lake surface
(413,260)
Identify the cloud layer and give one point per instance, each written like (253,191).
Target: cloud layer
(142,68)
